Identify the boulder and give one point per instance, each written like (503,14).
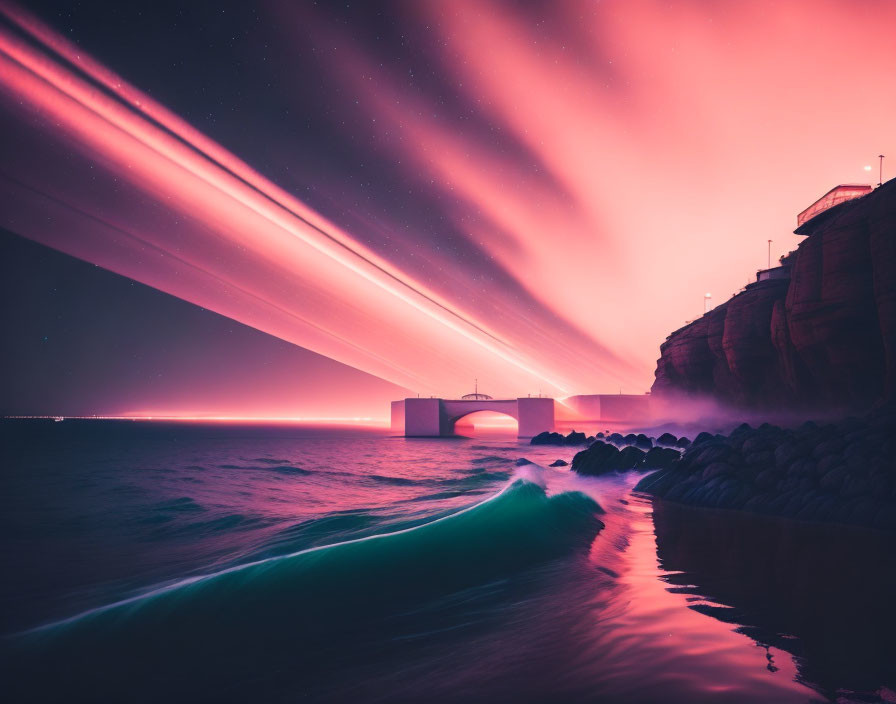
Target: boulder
(717,469)
(667,440)
(703,437)
(547,438)
(643,442)
(596,459)
(660,458)
(628,458)
(708,452)
(766,479)
(575,438)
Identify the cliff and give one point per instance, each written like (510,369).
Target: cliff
(825,337)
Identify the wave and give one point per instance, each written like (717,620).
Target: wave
(521,518)
(474,479)
(490,459)
(395,481)
(287,469)
(220,524)
(313,532)
(439,495)
(179,505)
(281,468)
(314,600)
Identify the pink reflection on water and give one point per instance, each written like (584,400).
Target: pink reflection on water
(643,616)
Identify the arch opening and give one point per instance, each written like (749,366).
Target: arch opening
(481,424)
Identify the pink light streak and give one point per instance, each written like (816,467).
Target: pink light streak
(659,147)
(679,137)
(356,307)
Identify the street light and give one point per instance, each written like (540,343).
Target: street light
(881,173)
(707,303)
(769,255)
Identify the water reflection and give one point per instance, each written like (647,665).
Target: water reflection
(824,594)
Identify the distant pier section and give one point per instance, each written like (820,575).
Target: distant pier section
(436,417)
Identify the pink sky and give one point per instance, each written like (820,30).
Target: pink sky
(660,146)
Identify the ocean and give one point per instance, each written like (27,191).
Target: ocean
(153,561)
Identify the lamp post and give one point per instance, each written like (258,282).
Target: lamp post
(707,302)
(769,255)
(880,176)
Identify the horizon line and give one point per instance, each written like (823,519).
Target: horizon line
(357,420)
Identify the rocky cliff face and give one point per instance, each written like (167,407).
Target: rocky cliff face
(824,338)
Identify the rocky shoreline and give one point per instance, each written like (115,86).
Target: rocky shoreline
(839,472)
(843,472)
(614,452)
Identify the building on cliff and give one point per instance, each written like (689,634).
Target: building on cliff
(835,196)
(819,333)
(777,272)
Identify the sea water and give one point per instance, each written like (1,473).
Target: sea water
(149,561)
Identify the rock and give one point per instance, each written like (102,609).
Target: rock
(703,437)
(683,442)
(789,451)
(827,447)
(595,460)
(763,458)
(523,461)
(628,458)
(804,467)
(855,486)
(660,458)
(667,440)
(756,443)
(547,438)
(825,464)
(558,463)
(833,479)
(616,439)
(708,452)
(717,469)
(575,438)
(766,479)
(643,442)
(603,457)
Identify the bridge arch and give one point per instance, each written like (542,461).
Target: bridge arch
(436,417)
(454,425)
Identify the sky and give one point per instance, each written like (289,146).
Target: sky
(393,198)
